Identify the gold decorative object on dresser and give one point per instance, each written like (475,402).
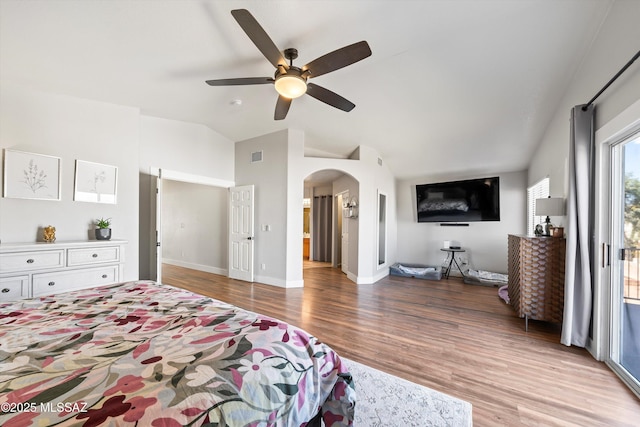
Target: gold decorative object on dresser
(35,269)
(49,234)
(536,277)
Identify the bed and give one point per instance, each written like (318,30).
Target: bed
(146,354)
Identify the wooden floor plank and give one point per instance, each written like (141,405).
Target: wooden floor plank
(455,338)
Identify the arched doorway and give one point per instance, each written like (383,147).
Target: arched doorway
(332,236)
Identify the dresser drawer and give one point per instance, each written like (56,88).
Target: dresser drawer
(28,261)
(96,255)
(51,283)
(14,288)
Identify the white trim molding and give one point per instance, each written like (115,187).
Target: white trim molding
(611,132)
(191,178)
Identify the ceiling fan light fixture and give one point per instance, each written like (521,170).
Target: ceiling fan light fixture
(291,85)
(290,81)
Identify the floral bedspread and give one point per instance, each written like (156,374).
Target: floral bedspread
(146,354)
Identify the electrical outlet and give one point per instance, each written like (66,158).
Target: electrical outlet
(263,266)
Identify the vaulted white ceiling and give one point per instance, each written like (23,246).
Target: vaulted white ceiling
(452,87)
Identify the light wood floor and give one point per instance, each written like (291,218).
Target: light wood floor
(455,338)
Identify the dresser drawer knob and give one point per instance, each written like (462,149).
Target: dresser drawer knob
(52,283)
(5,290)
(30,261)
(104,276)
(95,255)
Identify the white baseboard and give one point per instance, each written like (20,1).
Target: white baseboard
(199,267)
(279,282)
(360,280)
(267,280)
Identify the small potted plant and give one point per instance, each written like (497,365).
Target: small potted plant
(103,230)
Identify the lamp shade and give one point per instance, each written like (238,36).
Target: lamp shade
(291,85)
(551,206)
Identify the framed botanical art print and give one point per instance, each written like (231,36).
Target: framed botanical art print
(96,182)
(31,176)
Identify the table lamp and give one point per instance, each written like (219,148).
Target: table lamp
(551,206)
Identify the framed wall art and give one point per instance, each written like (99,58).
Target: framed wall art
(31,176)
(96,182)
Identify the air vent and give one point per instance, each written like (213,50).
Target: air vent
(256,156)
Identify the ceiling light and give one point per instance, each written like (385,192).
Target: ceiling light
(291,85)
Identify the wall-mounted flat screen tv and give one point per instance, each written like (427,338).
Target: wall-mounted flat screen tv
(459,201)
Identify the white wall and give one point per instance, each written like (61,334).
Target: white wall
(192,151)
(269,178)
(71,128)
(616,43)
(279,190)
(485,242)
(383,182)
(372,177)
(195,226)
(185,147)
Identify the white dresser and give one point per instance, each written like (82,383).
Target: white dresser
(35,269)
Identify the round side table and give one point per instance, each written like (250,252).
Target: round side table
(452,253)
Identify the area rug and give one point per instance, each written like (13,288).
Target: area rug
(390,401)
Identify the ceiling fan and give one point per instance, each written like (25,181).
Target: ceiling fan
(291,81)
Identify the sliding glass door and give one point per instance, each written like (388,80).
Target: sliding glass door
(625,260)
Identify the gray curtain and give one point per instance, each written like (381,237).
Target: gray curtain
(321,230)
(578,275)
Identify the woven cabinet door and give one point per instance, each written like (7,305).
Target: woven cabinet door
(554,301)
(533,253)
(513,274)
(536,277)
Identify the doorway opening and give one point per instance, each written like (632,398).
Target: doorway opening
(624,354)
(326,237)
(181,204)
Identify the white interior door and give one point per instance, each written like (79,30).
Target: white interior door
(158,226)
(241,238)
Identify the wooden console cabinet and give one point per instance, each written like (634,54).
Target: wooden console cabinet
(536,277)
(34,269)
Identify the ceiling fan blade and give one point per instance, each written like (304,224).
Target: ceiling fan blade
(338,59)
(259,36)
(282,107)
(241,81)
(328,97)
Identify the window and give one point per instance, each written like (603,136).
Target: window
(538,190)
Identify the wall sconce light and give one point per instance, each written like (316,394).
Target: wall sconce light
(551,206)
(350,208)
